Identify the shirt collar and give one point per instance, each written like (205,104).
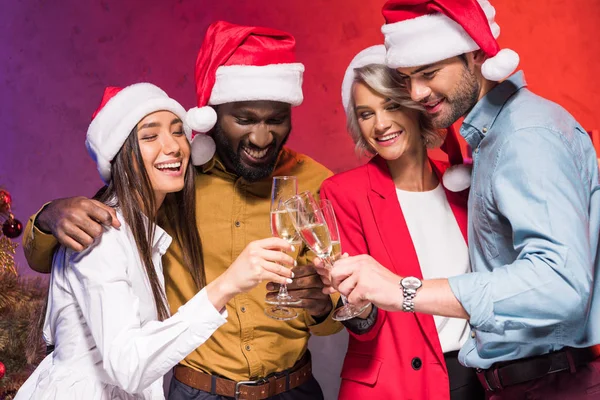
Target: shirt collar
(481,118)
(161,241)
(214,162)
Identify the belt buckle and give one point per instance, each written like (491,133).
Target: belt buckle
(247,383)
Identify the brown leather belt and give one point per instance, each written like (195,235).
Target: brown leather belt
(251,390)
(511,373)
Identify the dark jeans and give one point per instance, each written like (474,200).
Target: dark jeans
(464,384)
(310,390)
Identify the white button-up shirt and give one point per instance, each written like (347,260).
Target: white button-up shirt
(102,319)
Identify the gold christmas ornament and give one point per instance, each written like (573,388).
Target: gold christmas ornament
(8,249)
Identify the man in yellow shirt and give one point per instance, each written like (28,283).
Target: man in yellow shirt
(249,76)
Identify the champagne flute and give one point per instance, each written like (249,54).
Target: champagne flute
(347,311)
(314,228)
(282,226)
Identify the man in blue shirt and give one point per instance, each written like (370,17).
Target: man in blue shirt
(533,298)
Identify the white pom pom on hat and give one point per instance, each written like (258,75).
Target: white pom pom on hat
(457,177)
(500,66)
(203,149)
(201,119)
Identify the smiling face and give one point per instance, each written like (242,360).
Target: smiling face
(250,135)
(389,129)
(165,151)
(447,89)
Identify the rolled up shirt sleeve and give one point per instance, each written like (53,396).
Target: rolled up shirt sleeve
(537,187)
(38,246)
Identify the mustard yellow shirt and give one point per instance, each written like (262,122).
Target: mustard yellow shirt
(230,213)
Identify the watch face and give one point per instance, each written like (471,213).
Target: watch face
(410,282)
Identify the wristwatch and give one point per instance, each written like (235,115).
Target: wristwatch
(410,285)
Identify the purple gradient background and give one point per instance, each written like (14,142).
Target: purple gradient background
(57,57)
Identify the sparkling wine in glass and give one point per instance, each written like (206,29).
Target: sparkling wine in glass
(347,311)
(282,226)
(318,228)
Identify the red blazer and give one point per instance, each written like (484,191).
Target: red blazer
(401,356)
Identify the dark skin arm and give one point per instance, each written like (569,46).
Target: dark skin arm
(76,221)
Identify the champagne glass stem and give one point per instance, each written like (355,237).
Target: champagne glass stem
(283,292)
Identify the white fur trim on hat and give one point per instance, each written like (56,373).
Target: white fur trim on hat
(457,177)
(201,119)
(276,82)
(425,40)
(370,55)
(203,149)
(116,120)
(435,37)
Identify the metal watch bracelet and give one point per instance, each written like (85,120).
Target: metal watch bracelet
(409,285)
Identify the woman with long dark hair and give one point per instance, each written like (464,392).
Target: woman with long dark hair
(107,314)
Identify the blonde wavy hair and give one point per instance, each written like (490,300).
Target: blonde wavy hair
(388,83)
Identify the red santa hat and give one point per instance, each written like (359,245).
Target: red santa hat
(244,63)
(421,32)
(120,110)
(458,176)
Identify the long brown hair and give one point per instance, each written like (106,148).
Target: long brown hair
(130,189)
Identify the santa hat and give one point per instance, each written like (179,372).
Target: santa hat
(370,55)
(243,63)
(458,176)
(119,113)
(421,32)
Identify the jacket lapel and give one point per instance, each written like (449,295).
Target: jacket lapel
(397,240)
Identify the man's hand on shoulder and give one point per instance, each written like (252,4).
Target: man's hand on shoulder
(76,221)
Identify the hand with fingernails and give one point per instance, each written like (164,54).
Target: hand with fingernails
(77,221)
(261,260)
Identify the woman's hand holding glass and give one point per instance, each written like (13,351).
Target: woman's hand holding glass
(261,261)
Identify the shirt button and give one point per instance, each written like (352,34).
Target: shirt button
(243,309)
(416,363)
(248,347)
(484,130)
(237,224)
(473,334)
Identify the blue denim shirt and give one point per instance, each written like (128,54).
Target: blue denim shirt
(534,222)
